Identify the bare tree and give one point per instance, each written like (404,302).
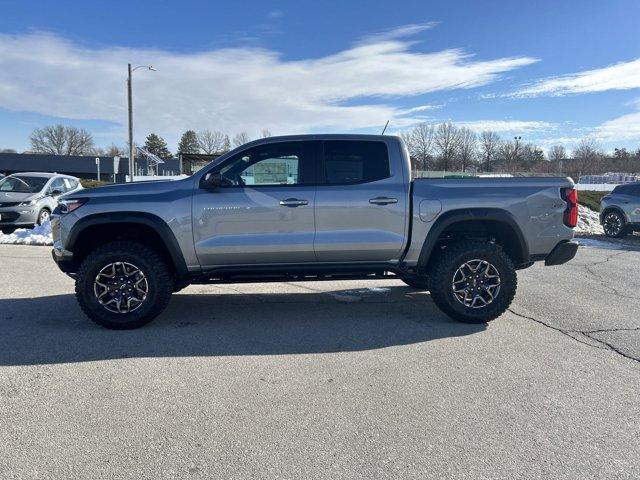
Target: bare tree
(265,133)
(422,139)
(586,158)
(467,147)
(489,145)
(240,139)
(509,154)
(61,140)
(557,153)
(446,141)
(211,142)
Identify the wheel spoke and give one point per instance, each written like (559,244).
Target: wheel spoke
(476,283)
(121,287)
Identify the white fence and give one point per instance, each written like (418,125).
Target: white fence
(596,187)
(148,178)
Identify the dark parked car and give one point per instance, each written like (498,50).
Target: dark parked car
(620,210)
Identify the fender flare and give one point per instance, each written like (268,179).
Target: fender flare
(466,214)
(142,218)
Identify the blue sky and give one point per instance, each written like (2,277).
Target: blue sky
(550,71)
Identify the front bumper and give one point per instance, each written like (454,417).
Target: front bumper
(63,258)
(18,216)
(562,253)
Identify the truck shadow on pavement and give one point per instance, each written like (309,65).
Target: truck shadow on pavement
(50,330)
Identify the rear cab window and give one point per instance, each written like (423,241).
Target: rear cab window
(350,162)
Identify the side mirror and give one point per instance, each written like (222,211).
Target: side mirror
(212,181)
(56,192)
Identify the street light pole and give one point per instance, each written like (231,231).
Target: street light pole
(131,160)
(132,164)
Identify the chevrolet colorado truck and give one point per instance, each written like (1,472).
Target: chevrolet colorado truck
(311,207)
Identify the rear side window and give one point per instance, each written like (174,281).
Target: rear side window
(627,190)
(354,162)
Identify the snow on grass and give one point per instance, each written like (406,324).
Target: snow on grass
(588,222)
(40,235)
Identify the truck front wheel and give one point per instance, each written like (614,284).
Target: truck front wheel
(123,285)
(473,281)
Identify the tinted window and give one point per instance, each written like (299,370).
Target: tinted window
(275,164)
(57,184)
(22,184)
(355,162)
(70,184)
(627,189)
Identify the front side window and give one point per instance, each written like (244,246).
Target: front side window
(22,184)
(69,184)
(355,162)
(275,164)
(57,184)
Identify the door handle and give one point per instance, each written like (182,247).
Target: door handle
(293,202)
(383,200)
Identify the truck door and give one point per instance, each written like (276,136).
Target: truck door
(263,212)
(361,202)
(634,204)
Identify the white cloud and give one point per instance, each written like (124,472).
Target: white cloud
(626,127)
(275,14)
(399,32)
(621,76)
(239,89)
(507,126)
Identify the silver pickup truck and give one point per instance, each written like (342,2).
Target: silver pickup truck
(311,207)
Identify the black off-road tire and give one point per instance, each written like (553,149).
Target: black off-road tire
(442,274)
(417,282)
(150,263)
(180,284)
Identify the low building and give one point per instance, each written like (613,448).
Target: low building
(610,177)
(110,169)
(190,163)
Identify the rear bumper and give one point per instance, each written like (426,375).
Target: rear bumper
(562,253)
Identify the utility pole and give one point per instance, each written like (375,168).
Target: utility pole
(130,101)
(131,160)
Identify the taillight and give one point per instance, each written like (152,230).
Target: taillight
(570,195)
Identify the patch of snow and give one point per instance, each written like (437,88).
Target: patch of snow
(605,244)
(588,222)
(40,235)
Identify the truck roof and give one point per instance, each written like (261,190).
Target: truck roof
(320,136)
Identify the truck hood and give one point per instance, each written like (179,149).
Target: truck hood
(126,190)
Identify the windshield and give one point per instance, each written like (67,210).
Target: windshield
(21,184)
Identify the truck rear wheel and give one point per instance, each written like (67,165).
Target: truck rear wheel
(473,281)
(123,285)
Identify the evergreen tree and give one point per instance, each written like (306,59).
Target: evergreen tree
(155,144)
(189,143)
(226,144)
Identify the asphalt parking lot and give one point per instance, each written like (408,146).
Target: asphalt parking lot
(324,380)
